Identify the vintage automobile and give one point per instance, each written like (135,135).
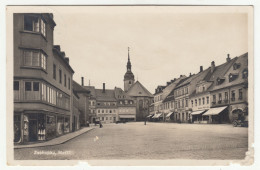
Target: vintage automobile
(240,118)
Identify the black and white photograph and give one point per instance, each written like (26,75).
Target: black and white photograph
(129,82)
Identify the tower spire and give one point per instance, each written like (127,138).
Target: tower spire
(128,54)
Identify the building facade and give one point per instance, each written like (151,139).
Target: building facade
(42,80)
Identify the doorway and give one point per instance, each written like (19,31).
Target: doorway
(33,130)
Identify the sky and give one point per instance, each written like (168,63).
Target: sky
(165,41)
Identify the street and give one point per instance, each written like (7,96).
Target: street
(153,141)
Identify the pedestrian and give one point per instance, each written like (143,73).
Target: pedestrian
(100,125)
(144,121)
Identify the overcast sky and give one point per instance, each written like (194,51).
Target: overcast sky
(164,41)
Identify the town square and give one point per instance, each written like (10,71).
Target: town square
(154,83)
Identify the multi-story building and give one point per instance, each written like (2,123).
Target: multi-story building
(106,107)
(92,103)
(126,106)
(182,94)
(229,93)
(76,112)
(200,100)
(157,103)
(84,95)
(42,80)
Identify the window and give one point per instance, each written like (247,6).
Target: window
(186,103)
(130,82)
(106,118)
(203,100)
(240,94)
(110,111)
(191,103)
(214,98)
(36,86)
(28,86)
(245,73)
(34,59)
(182,103)
(199,101)
(203,88)
(65,80)
(220,81)
(207,99)
(233,95)
(44,92)
(60,76)
(35,24)
(232,77)
(54,71)
(220,97)
(236,66)
(69,83)
(31,23)
(98,111)
(226,95)
(195,102)
(16,85)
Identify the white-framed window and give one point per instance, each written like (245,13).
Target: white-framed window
(34,58)
(35,24)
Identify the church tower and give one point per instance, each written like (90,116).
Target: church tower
(129,77)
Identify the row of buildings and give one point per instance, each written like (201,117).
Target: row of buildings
(47,101)
(218,94)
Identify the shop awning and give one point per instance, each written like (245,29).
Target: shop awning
(169,114)
(197,112)
(157,115)
(126,116)
(149,116)
(214,111)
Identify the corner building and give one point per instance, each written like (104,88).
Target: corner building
(42,80)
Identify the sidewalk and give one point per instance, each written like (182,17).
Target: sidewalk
(58,140)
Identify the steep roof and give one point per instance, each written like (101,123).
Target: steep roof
(121,93)
(137,89)
(92,91)
(78,88)
(242,60)
(108,95)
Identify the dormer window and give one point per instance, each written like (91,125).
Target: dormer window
(220,80)
(245,73)
(232,77)
(236,66)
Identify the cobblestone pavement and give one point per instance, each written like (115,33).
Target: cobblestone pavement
(153,141)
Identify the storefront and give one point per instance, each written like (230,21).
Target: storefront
(127,118)
(197,116)
(32,127)
(217,115)
(169,116)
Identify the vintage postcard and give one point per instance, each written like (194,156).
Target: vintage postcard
(130,85)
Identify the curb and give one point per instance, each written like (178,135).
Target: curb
(62,142)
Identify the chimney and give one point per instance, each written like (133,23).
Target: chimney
(82,81)
(201,68)
(228,58)
(168,83)
(212,66)
(67,59)
(104,87)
